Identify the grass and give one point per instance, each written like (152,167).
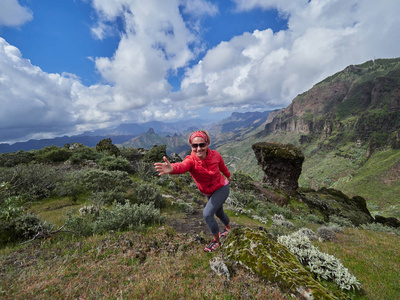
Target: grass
(158,265)
(54,210)
(372,257)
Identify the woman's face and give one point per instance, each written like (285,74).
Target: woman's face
(201,152)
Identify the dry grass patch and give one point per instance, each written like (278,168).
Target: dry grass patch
(157,265)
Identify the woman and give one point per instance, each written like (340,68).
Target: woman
(205,166)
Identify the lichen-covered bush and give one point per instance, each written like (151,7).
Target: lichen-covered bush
(308,233)
(119,217)
(127,216)
(323,265)
(326,233)
(280,220)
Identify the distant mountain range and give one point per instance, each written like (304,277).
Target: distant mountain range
(145,135)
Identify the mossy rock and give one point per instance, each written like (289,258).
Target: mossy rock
(281,163)
(260,254)
(333,202)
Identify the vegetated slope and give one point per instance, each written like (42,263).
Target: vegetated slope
(341,124)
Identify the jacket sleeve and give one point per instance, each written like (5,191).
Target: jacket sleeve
(182,167)
(223,168)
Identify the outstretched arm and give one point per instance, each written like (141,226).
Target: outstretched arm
(164,168)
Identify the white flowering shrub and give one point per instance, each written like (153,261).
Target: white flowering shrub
(308,233)
(89,210)
(280,220)
(321,264)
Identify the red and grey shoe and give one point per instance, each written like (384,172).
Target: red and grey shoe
(212,246)
(223,233)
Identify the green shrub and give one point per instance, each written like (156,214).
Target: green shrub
(149,193)
(52,154)
(32,180)
(109,197)
(113,163)
(242,181)
(70,184)
(95,180)
(82,154)
(126,216)
(107,146)
(12,159)
(131,154)
(323,265)
(119,217)
(240,199)
(145,170)
(280,210)
(377,227)
(155,154)
(340,221)
(17,227)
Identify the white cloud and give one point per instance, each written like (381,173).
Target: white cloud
(267,70)
(13,14)
(155,43)
(255,70)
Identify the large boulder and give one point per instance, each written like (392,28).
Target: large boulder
(281,163)
(259,253)
(331,202)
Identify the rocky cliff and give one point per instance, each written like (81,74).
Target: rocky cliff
(360,104)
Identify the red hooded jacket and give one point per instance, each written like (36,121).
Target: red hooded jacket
(205,172)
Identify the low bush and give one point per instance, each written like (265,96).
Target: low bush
(242,181)
(119,217)
(32,180)
(281,210)
(113,163)
(326,233)
(148,193)
(323,265)
(82,154)
(12,159)
(52,154)
(377,227)
(95,180)
(22,226)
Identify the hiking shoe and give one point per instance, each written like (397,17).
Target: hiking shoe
(212,246)
(223,233)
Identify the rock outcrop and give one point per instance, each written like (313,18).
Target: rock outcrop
(281,164)
(260,254)
(330,202)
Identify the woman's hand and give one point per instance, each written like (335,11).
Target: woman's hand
(229,180)
(164,168)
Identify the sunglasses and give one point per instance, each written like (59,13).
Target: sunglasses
(201,145)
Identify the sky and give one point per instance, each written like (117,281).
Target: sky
(69,66)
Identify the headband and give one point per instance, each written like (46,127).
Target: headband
(198,134)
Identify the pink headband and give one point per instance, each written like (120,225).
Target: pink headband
(198,134)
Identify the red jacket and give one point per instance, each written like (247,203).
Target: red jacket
(206,173)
